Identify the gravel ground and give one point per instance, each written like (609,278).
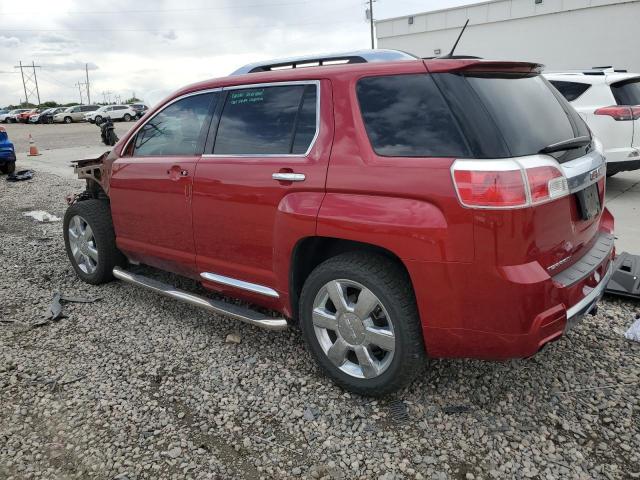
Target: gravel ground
(138,386)
(59,135)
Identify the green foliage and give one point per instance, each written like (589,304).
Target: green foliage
(131,100)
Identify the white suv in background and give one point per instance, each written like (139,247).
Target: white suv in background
(114,112)
(609,101)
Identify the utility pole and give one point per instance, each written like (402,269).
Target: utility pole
(33,64)
(29,81)
(79,85)
(86,69)
(373,46)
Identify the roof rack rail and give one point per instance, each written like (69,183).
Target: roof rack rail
(358,56)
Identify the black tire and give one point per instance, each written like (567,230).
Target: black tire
(50,120)
(390,283)
(8,168)
(127,117)
(97,120)
(68,119)
(97,214)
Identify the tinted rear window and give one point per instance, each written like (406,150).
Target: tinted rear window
(570,90)
(406,116)
(526,111)
(627,92)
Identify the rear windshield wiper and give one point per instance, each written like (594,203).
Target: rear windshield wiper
(572,143)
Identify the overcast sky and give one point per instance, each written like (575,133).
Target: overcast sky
(153,47)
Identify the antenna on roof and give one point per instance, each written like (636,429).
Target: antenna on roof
(450,54)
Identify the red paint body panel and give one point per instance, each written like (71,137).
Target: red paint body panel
(479,276)
(151,211)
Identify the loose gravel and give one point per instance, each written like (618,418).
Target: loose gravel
(138,386)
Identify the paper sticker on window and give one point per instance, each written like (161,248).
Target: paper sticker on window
(247,96)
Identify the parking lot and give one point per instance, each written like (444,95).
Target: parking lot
(133,385)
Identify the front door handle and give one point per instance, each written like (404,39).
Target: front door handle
(176,171)
(288,177)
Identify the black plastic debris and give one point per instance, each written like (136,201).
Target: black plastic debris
(20,175)
(625,280)
(398,410)
(455,409)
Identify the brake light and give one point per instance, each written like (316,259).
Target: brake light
(620,112)
(490,189)
(508,183)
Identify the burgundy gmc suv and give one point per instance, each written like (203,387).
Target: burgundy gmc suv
(394,207)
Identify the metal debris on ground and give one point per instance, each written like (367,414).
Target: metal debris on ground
(625,280)
(55,307)
(398,410)
(20,176)
(41,216)
(634,331)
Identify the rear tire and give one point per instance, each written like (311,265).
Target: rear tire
(127,117)
(68,120)
(372,345)
(90,241)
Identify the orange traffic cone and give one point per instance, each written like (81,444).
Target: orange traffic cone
(33,149)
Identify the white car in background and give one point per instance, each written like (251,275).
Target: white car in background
(114,112)
(609,101)
(10,117)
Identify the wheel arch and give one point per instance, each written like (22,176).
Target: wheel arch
(309,252)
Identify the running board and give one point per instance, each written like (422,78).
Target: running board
(220,307)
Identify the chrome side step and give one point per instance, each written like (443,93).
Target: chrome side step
(216,306)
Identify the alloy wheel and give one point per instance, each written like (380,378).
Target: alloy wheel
(353,328)
(83,244)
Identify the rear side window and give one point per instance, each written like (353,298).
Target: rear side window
(274,120)
(176,130)
(406,116)
(627,92)
(570,90)
(525,110)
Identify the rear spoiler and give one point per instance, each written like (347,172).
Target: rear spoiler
(481,66)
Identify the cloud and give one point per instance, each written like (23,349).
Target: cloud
(158,46)
(170,35)
(9,42)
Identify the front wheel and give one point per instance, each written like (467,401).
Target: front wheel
(127,117)
(360,322)
(90,241)
(68,120)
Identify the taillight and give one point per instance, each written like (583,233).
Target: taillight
(508,183)
(620,112)
(490,189)
(546,183)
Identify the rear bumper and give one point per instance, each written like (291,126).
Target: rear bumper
(508,312)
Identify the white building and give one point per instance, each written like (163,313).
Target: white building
(562,34)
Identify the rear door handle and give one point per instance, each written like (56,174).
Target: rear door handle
(288,177)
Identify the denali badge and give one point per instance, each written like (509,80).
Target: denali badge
(556,265)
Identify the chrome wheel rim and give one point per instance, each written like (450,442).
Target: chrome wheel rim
(353,329)
(83,244)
